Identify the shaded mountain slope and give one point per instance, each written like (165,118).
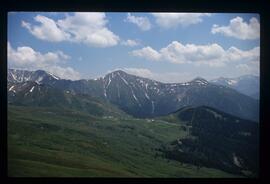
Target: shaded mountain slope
(215,139)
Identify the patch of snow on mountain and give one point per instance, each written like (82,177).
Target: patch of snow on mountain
(26,78)
(146,86)
(146,95)
(185,84)
(31,90)
(109,82)
(179,98)
(236,160)
(104,88)
(232,82)
(201,82)
(57,78)
(11,88)
(135,96)
(153,106)
(105,93)
(123,79)
(40,79)
(14,77)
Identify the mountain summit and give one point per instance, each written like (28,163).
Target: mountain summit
(199,80)
(39,76)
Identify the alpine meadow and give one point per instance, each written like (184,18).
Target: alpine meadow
(133,95)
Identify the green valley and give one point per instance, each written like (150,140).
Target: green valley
(53,142)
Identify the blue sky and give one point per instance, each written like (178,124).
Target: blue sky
(166,47)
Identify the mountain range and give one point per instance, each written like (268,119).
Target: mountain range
(246,84)
(137,96)
(196,128)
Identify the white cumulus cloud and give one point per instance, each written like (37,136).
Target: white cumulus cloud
(27,58)
(130,43)
(243,67)
(166,77)
(235,54)
(169,20)
(239,29)
(64,72)
(147,53)
(82,27)
(47,30)
(211,54)
(142,72)
(142,22)
(252,67)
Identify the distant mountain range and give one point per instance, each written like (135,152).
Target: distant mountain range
(215,139)
(246,84)
(137,96)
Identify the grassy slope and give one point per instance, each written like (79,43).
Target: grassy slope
(44,142)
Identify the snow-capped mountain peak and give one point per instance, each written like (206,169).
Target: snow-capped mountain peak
(200,81)
(39,76)
(54,76)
